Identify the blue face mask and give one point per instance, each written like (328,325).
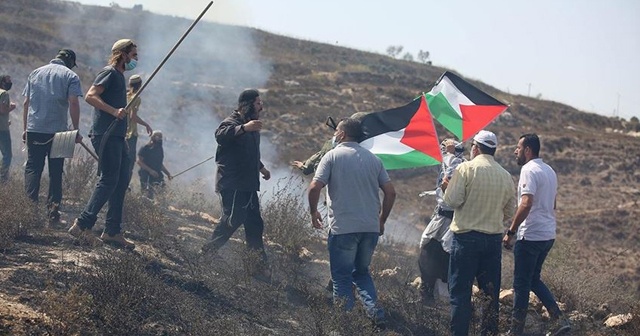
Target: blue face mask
(131,65)
(334,142)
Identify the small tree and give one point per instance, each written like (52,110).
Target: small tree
(408,57)
(423,56)
(394,51)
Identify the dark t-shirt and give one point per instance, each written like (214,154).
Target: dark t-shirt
(152,157)
(114,94)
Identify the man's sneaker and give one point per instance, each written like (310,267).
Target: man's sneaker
(560,327)
(117,240)
(83,236)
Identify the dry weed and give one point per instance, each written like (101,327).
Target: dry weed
(18,214)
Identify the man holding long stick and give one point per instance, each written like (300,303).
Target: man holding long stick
(108,95)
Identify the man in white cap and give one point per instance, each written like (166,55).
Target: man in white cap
(108,95)
(51,96)
(482,195)
(133,119)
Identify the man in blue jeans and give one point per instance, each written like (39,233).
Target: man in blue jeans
(482,196)
(356,220)
(534,226)
(108,96)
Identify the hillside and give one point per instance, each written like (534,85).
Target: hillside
(303,82)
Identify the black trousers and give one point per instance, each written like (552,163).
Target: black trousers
(434,264)
(240,208)
(39,147)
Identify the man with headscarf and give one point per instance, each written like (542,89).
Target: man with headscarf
(434,258)
(51,91)
(108,96)
(150,160)
(133,119)
(6,106)
(237,179)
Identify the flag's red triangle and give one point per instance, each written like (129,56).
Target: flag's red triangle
(421,134)
(476,117)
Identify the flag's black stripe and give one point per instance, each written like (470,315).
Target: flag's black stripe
(377,123)
(473,93)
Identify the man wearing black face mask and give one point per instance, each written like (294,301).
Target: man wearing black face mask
(237,180)
(150,160)
(6,106)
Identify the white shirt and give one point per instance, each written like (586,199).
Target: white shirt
(540,181)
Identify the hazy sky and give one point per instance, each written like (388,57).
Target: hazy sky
(581,52)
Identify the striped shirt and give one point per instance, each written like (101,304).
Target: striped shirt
(482,194)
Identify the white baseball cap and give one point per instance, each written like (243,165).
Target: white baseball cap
(486,138)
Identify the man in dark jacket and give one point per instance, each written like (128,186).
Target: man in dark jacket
(237,179)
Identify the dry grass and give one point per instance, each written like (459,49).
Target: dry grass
(169,289)
(79,177)
(19,216)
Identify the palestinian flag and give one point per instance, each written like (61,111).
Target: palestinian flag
(403,137)
(461,107)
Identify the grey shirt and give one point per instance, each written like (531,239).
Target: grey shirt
(48,89)
(353,176)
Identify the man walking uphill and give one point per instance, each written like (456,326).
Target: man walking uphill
(237,179)
(535,226)
(356,220)
(482,196)
(51,91)
(108,95)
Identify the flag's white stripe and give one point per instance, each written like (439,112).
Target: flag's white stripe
(454,96)
(387,143)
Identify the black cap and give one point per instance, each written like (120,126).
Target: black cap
(68,56)
(248,96)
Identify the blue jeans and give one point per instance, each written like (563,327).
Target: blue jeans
(474,255)
(349,259)
(528,258)
(37,150)
(5,149)
(111,187)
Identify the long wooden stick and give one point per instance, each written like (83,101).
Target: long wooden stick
(113,124)
(90,151)
(197,164)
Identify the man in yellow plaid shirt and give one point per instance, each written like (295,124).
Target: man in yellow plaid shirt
(483,196)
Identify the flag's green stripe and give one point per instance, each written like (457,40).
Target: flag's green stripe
(409,160)
(442,111)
